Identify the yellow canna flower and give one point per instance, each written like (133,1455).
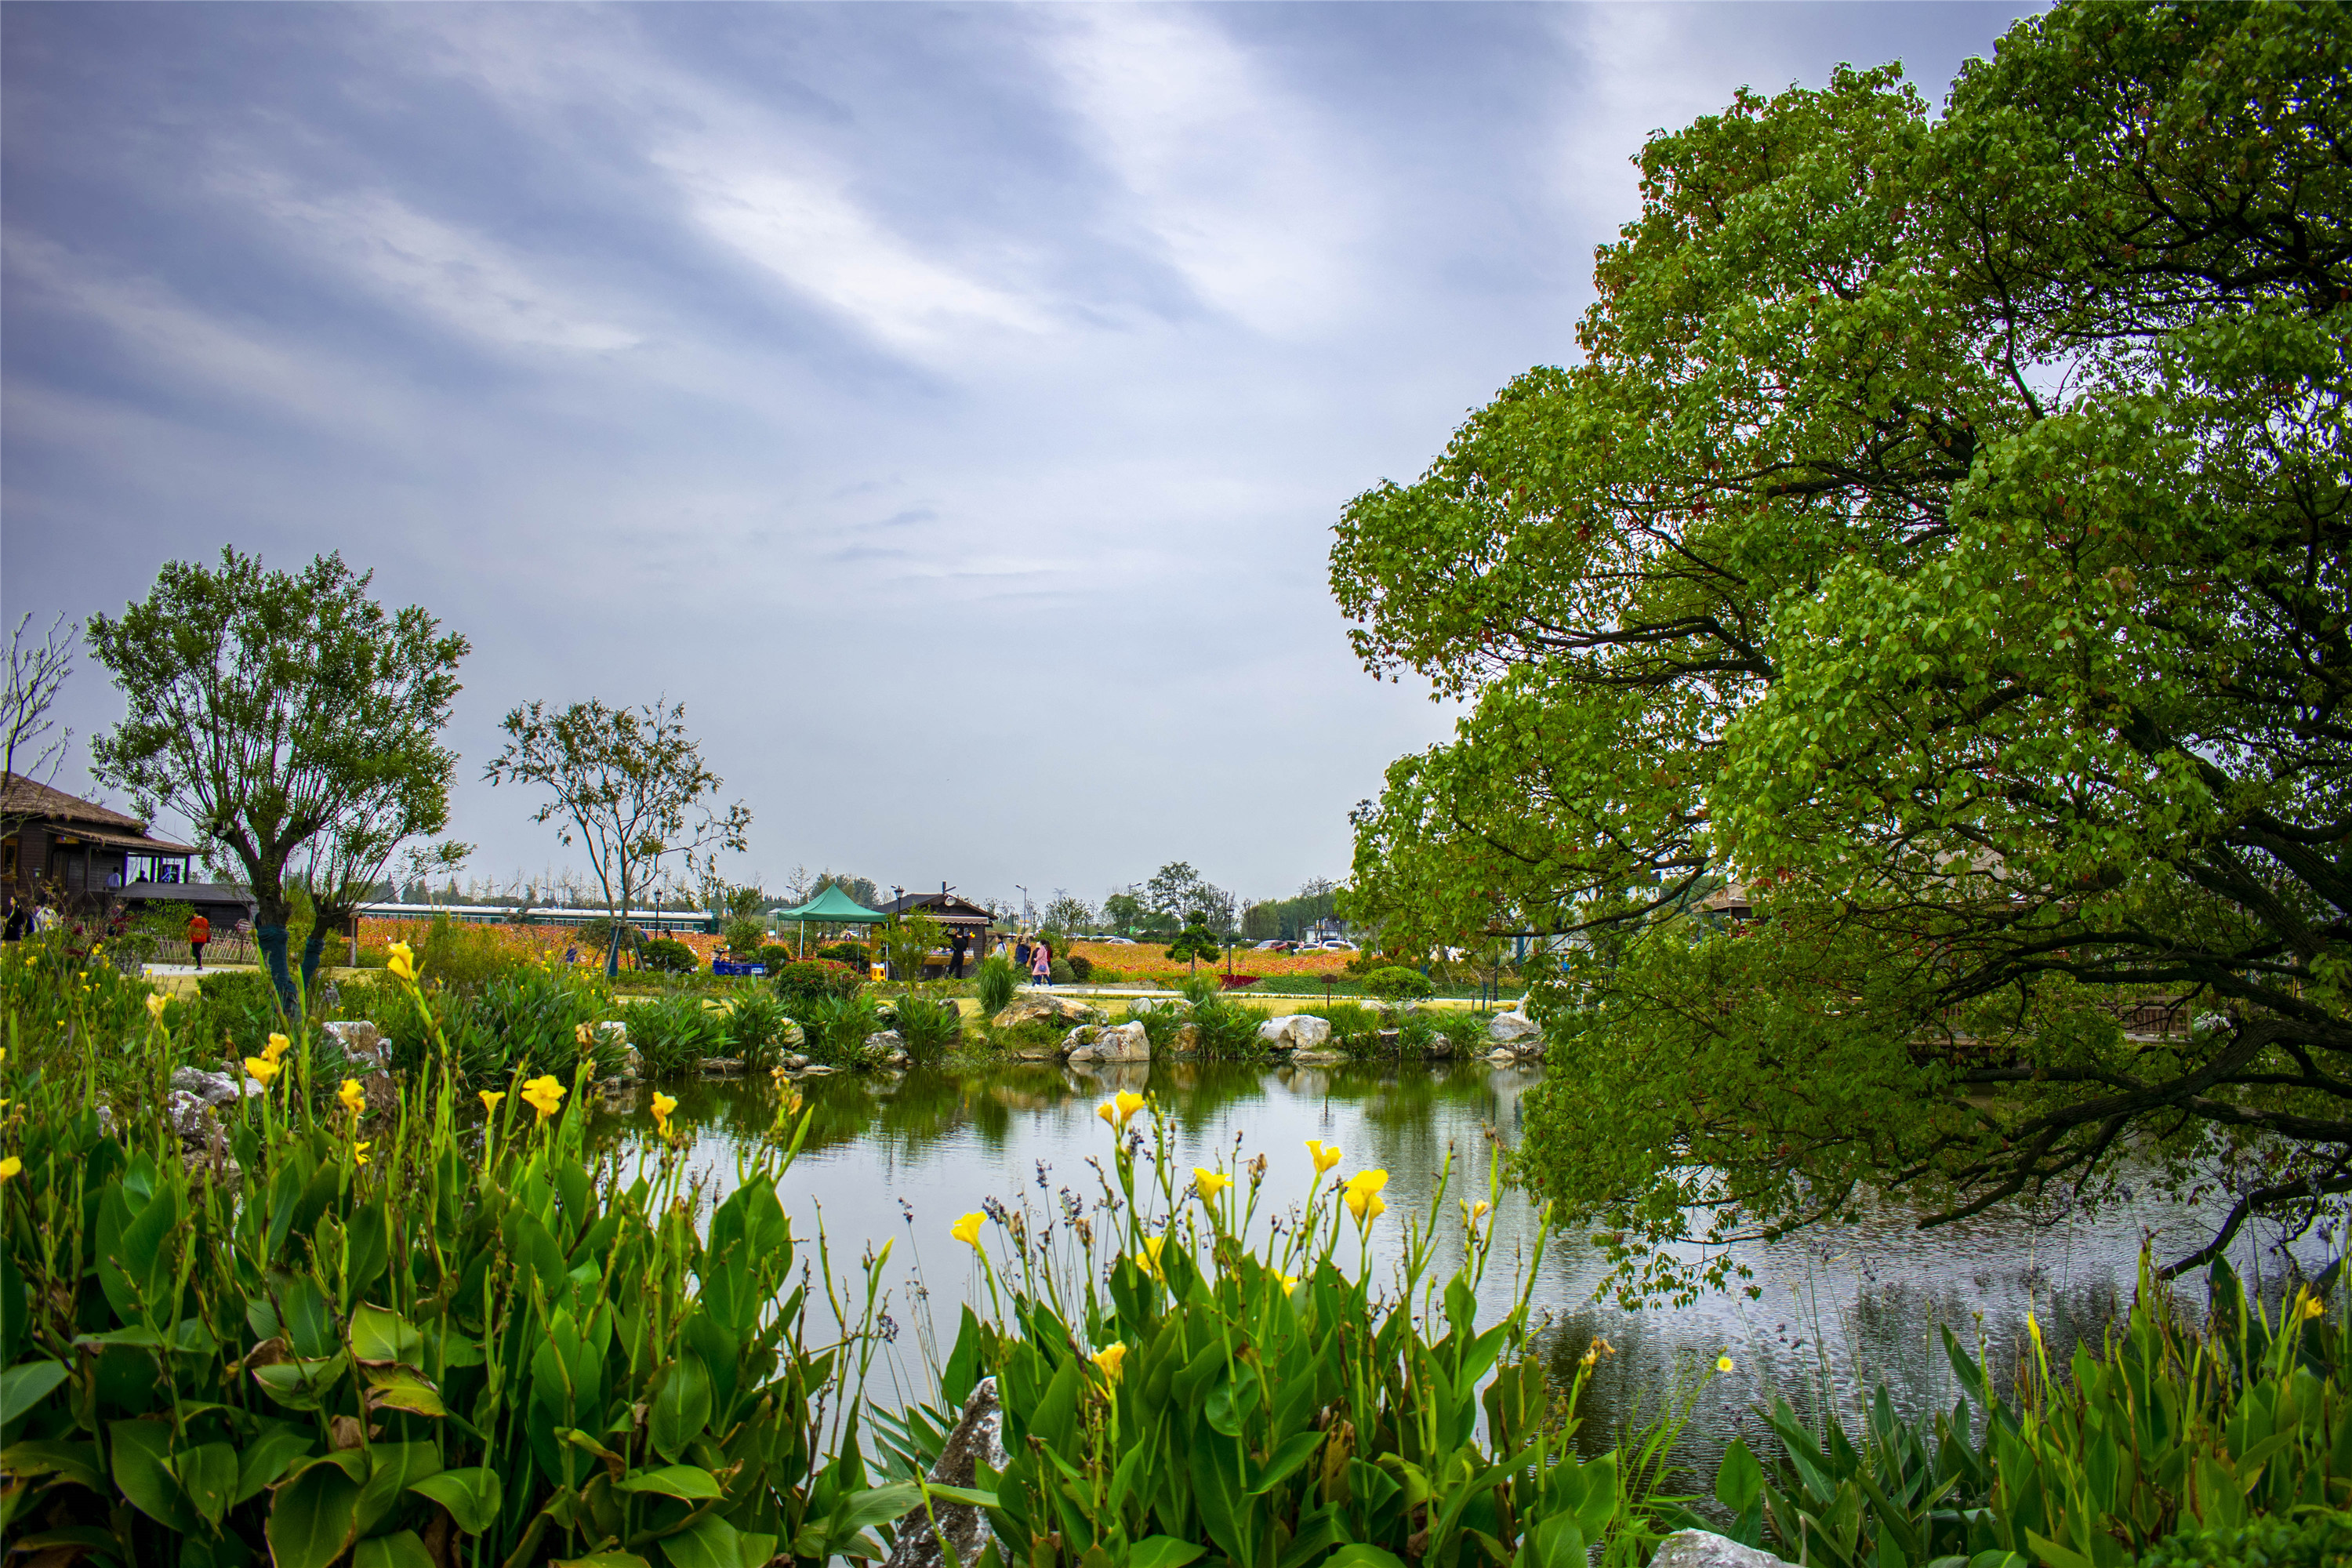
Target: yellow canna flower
(2312,1306)
(1151,1246)
(1290,1283)
(1325,1155)
(967,1229)
(1107,1359)
(1472,1213)
(1723,1363)
(490,1097)
(663,1106)
(1362,1193)
(1129,1103)
(401,961)
(354,1097)
(9,1167)
(1210,1183)
(156,1007)
(359,1153)
(543,1094)
(262,1067)
(277,1048)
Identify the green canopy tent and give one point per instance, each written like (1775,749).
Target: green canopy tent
(831,908)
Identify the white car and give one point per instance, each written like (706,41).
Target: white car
(1335,946)
(1114,941)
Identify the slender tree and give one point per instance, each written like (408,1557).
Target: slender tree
(626,784)
(266,707)
(31,746)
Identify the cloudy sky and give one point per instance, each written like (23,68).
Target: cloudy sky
(949,404)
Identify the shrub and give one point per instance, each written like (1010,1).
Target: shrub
(929,1028)
(675,1032)
(744,937)
(997,980)
(1032,1035)
(1355,1028)
(594,937)
(460,956)
(1397,984)
(838,1029)
(667,956)
(1061,974)
(1100,973)
(2317,1540)
(808,979)
(1466,1032)
(535,1016)
(1080,966)
(758,1031)
(850,953)
(775,955)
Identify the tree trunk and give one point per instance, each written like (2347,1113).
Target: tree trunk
(315,945)
(271,940)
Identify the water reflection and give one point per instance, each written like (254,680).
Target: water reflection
(1835,1314)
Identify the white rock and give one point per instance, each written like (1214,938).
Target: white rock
(1703,1548)
(1502,1058)
(363,1044)
(1296,1031)
(212,1087)
(1126,1042)
(978,1436)
(1510,1027)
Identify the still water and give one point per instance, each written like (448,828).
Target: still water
(893,1156)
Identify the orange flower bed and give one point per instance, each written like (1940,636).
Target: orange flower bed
(541,942)
(1149,960)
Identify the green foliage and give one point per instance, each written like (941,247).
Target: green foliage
(1801,578)
(1061,972)
(667,956)
(675,1032)
(775,955)
(2165,1428)
(272,709)
(536,1015)
(745,936)
(1081,968)
(997,980)
(1355,1028)
(852,953)
(838,1027)
(1397,984)
(1228,1029)
(1160,1025)
(461,955)
(929,1028)
(595,936)
(1259,1389)
(905,942)
(810,979)
(2318,1539)
(482,1337)
(758,1031)
(1195,942)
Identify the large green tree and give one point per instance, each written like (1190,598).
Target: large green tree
(270,707)
(1943,534)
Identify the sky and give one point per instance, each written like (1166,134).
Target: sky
(949,405)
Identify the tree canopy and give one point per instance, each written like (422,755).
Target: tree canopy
(270,707)
(1942,538)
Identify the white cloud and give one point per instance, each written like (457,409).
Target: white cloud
(465,282)
(1238,183)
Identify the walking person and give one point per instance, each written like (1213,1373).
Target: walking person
(957,948)
(1041,963)
(19,923)
(200,931)
(1021,956)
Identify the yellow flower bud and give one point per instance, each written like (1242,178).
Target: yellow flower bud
(967,1229)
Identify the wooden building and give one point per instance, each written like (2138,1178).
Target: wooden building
(86,860)
(956,917)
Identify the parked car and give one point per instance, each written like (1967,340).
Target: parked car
(1115,940)
(1277,946)
(1335,945)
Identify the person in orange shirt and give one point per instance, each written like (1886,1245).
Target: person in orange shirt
(200,931)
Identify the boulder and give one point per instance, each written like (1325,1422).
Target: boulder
(817,1069)
(881,1048)
(1188,1039)
(1126,1042)
(978,1436)
(1316,1058)
(795,1063)
(1503,1056)
(1044,1007)
(363,1045)
(203,1147)
(1384,1041)
(212,1087)
(613,1031)
(1703,1548)
(1510,1028)
(1439,1049)
(722,1067)
(1296,1031)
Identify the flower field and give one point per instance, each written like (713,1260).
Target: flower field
(1149,960)
(542,942)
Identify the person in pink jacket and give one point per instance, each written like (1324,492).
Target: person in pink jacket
(1041,963)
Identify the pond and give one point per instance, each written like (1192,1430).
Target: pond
(900,1156)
